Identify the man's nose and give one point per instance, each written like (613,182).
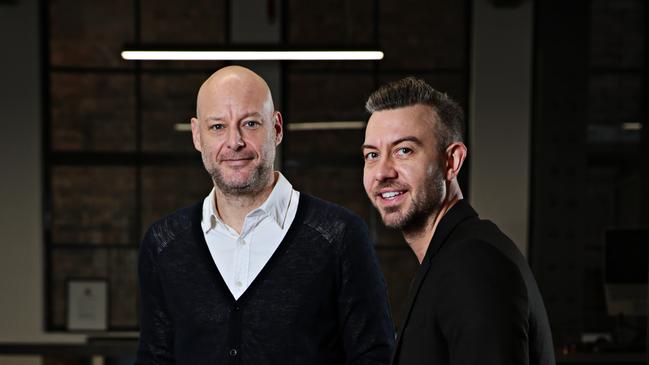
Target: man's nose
(385,170)
(235,139)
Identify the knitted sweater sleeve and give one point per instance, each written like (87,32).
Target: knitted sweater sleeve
(367,330)
(156,327)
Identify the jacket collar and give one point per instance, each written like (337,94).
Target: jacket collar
(453,217)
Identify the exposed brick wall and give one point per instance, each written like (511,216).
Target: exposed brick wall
(93,112)
(84,33)
(93,205)
(168,188)
(328,22)
(168,100)
(419,34)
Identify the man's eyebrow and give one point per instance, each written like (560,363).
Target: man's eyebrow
(367,146)
(214,118)
(413,139)
(246,115)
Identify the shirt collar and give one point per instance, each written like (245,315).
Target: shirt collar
(276,206)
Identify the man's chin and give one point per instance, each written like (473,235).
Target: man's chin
(392,219)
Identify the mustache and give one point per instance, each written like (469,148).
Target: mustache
(237,156)
(390,185)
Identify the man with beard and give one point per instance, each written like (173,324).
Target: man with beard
(257,273)
(474,299)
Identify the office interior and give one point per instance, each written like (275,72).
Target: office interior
(94,148)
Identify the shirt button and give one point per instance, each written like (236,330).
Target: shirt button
(233,352)
(242,241)
(238,283)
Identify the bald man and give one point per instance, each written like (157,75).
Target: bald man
(257,273)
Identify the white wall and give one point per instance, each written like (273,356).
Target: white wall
(21,253)
(500,116)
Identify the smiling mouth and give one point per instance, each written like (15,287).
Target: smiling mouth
(391,195)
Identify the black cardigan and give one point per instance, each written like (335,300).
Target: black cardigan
(320,299)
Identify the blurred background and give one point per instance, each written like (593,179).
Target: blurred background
(95,148)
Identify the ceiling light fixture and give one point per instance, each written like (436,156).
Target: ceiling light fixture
(251,55)
(319,126)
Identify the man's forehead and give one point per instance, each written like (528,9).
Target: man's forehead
(387,126)
(228,99)
(414,116)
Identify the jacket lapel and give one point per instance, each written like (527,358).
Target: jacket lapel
(456,215)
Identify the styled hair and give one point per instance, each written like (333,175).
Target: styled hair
(411,91)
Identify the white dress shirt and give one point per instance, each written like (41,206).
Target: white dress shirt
(240,257)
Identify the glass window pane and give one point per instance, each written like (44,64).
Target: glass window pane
(89,33)
(168,100)
(327,96)
(93,205)
(431,33)
(169,188)
(328,22)
(93,112)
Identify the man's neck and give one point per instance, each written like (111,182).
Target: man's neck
(419,239)
(233,209)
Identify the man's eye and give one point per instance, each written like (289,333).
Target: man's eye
(371,155)
(404,151)
(251,123)
(216,126)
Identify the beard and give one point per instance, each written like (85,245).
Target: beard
(423,205)
(231,184)
(256,182)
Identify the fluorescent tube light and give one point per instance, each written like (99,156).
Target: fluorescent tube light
(632,126)
(145,55)
(319,126)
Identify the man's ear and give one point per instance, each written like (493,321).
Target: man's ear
(455,155)
(278,127)
(196,134)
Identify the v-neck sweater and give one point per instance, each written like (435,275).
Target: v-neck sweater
(320,299)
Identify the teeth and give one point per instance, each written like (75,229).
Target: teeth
(389,195)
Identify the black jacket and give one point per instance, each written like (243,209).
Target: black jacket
(320,299)
(473,301)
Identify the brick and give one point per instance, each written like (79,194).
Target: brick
(93,205)
(184,22)
(423,34)
(84,33)
(330,22)
(166,189)
(327,97)
(93,112)
(168,99)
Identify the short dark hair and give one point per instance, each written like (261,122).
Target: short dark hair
(411,91)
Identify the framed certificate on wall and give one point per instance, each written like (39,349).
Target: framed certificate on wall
(87,305)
